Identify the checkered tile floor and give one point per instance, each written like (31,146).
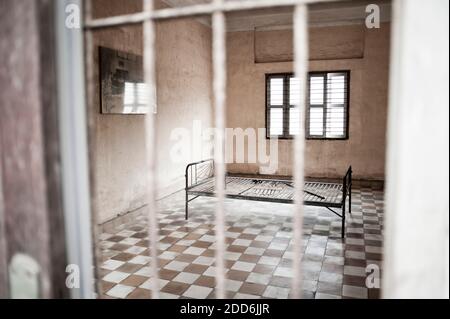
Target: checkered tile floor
(259,251)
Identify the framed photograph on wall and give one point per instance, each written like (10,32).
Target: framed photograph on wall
(122,87)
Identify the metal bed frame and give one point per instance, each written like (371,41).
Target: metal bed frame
(200,182)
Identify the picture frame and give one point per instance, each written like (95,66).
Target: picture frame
(122,86)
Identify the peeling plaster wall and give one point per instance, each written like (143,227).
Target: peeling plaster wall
(183,95)
(365,148)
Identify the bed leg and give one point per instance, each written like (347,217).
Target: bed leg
(350,200)
(186,206)
(343,221)
(350,191)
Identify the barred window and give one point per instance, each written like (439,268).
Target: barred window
(326,107)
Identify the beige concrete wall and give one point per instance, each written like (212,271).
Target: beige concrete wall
(365,148)
(183,94)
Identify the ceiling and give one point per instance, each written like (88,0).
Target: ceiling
(323,14)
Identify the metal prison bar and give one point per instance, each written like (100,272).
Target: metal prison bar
(193,11)
(217,8)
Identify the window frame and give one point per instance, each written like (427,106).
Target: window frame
(286,106)
(346,106)
(268,107)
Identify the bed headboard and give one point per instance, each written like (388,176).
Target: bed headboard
(198,172)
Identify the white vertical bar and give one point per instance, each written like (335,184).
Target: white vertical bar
(417,201)
(219,80)
(91,123)
(74,149)
(149,75)
(301,70)
(3,258)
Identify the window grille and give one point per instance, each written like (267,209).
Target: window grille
(327,105)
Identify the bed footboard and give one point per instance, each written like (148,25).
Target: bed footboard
(195,174)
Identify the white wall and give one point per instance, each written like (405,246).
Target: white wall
(364,52)
(183,74)
(417,209)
